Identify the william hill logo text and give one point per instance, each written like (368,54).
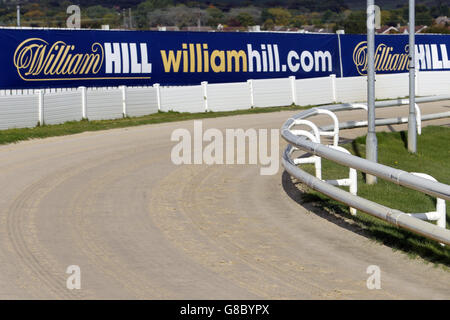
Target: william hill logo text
(428,57)
(198,58)
(37,60)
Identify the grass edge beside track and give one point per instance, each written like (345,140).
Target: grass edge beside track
(73,127)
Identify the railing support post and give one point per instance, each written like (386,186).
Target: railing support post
(124,101)
(41,107)
(158,95)
(333,88)
(252,98)
(83,103)
(293,89)
(205,94)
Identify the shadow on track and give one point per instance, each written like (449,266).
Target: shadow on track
(411,244)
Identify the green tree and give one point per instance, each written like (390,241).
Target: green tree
(279,16)
(298,21)
(423,15)
(315,18)
(112,19)
(355,22)
(328,16)
(269,24)
(424,18)
(216,16)
(440,10)
(392,18)
(438,29)
(146,7)
(34,14)
(150,5)
(245,19)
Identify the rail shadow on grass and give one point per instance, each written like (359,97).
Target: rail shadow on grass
(432,158)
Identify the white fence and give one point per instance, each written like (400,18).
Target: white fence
(18,111)
(61,107)
(26,108)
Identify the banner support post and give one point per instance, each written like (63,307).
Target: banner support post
(371,139)
(412,127)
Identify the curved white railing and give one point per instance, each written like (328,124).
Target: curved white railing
(310,142)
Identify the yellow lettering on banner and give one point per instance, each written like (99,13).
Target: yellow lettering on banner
(199,57)
(192,57)
(185,58)
(58,68)
(237,56)
(221,55)
(196,57)
(76,59)
(34,59)
(206,56)
(385,60)
(171,62)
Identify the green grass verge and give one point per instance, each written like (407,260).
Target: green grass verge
(72,127)
(432,158)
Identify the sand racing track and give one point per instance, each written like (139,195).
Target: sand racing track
(140,227)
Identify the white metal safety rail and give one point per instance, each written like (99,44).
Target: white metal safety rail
(26,108)
(310,142)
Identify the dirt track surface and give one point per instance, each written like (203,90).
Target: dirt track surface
(140,227)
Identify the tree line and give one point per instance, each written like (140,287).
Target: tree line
(269,14)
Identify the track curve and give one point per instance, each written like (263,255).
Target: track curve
(140,227)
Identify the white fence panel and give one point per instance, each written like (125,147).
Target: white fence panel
(351,89)
(391,86)
(272,92)
(19,111)
(19,108)
(141,101)
(229,96)
(62,107)
(104,104)
(314,91)
(433,82)
(183,99)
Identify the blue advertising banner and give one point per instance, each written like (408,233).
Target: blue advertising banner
(34,58)
(71,58)
(392,53)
